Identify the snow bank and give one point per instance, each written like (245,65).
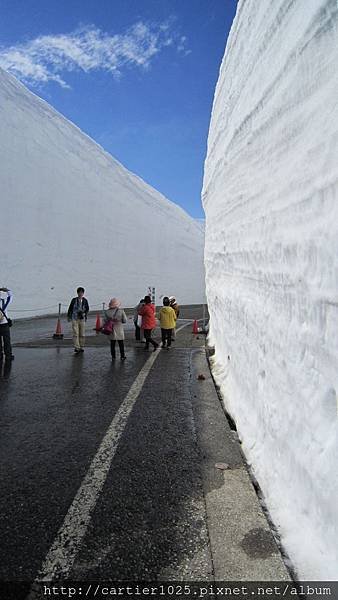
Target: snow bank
(270,198)
(72,215)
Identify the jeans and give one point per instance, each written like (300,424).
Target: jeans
(5,341)
(166,336)
(112,348)
(149,340)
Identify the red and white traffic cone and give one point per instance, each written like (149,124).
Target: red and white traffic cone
(58,335)
(98,325)
(195,327)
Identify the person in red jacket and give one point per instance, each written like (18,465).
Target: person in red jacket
(148,322)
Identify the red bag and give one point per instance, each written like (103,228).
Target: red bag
(108,327)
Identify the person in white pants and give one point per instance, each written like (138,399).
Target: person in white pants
(77,315)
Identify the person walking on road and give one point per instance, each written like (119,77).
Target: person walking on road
(167,322)
(176,308)
(77,315)
(118,317)
(137,318)
(148,322)
(5,323)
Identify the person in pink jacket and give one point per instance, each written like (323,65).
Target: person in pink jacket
(148,322)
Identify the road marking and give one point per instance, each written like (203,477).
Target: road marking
(66,546)
(185,325)
(63,552)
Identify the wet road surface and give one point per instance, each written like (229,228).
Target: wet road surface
(148,521)
(108,469)
(41,329)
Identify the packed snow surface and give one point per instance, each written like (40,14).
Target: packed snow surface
(72,215)
(271,203)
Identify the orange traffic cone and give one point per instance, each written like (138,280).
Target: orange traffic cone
(98,325)
(58,335)
(195,327)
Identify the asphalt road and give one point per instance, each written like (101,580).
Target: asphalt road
(55,407)
(108,469)
(41,329)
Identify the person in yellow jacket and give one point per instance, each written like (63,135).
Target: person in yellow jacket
(167,322)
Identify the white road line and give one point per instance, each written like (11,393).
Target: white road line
(187,320)
(63,552)
(185,325)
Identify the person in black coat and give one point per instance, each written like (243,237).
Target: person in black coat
(5,322)
(77,315)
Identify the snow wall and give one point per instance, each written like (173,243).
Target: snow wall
(270,198)
(72,215)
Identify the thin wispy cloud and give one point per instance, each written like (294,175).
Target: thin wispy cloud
(49,57)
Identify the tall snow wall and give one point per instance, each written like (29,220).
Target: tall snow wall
(270,198)
(72,215)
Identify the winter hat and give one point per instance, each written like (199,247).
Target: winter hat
(114,303)
(172,299)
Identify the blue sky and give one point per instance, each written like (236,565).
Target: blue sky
(138,76)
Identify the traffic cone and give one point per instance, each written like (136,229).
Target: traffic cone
(98,325)
(58,335)
(195,327)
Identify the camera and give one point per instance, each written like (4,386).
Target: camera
(80,314)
